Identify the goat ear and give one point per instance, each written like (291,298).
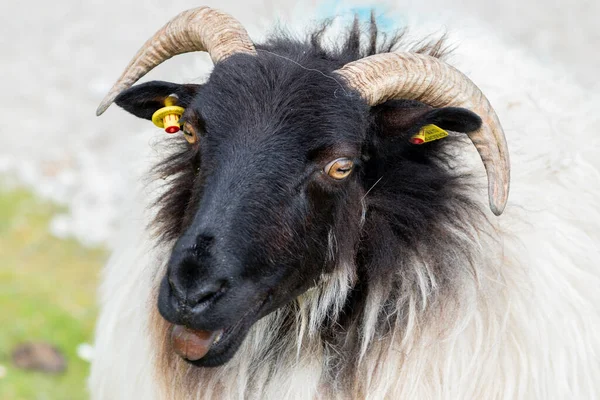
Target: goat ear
(144,99)
(406,117)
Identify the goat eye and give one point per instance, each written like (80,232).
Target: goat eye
(340,168)
(189,133)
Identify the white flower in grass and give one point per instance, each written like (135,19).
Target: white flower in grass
(85,351)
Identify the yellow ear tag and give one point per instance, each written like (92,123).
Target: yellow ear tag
(428,133)
(168,117)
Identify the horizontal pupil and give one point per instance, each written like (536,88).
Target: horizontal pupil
(340,168)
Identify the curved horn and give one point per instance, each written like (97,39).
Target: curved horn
(198,29)
(383,77)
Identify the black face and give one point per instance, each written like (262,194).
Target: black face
(278,152)
(278,162)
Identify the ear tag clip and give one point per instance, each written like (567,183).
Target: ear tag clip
(428,133)
(168,116)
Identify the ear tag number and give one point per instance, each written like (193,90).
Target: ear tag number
(168,116)
(428,133)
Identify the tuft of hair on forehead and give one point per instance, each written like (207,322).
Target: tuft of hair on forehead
(358,41)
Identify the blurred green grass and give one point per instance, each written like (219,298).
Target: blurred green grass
(47,293)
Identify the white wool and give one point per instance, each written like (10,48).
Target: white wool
(522,323)
(122,366)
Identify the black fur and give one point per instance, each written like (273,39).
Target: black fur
(250,206)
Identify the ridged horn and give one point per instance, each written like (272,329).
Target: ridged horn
(198,29)
(388,76)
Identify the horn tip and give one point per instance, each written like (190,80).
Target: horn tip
(497,209)
(103,106)
(498,203)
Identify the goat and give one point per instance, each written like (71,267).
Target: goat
(303,248)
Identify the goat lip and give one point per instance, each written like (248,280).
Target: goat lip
(226,341)
(193,344)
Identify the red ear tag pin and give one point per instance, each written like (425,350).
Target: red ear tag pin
(418,138)
(168,116)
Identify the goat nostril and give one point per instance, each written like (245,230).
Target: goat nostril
(207,294)
(206,298)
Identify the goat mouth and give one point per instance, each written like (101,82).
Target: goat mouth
(213,348)
(191,344)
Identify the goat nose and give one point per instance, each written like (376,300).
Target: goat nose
(193,276)
(193,282)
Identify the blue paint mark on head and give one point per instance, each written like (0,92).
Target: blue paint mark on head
(336,8)
(384,22)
